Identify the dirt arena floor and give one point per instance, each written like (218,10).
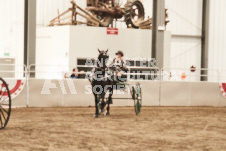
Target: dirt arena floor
(72,129)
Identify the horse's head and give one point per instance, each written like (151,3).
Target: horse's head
(102,58)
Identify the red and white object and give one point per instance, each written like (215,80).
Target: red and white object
(16,86)
(223,89)
(112,31)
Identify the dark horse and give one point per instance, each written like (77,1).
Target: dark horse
(102,83)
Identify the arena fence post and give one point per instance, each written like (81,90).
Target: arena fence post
(27,81)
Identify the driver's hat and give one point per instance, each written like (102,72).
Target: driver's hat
(120,52)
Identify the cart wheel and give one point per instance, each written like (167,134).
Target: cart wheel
(5,104)
(138,99)
(133,93)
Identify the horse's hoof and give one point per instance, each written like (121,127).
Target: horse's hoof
(95,116)
(107,114)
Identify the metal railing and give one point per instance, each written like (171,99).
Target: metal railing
(58,72)
(165,74)
(222,76)
(13,71)
(186,74)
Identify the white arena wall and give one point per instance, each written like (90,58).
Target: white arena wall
(185,25)
(74,93)
(83,42)
(62,46)
(184,16)
(217,36)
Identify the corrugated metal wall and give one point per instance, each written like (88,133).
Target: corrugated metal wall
(185,24)
(217,38)
(217,34)
(12,29)
(47,10)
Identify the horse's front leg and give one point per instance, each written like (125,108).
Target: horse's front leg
(109,101)
(96,115)
(103,103)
